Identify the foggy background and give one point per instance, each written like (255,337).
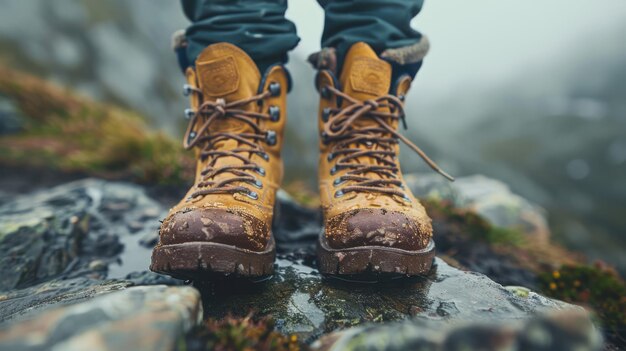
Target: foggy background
(531,93)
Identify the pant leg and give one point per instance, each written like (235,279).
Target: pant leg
(259,27)
(383,24)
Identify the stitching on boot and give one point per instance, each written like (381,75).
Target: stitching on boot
(367,75)
(219,77)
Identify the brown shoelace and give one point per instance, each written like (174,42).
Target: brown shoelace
(379,140)
(211,112)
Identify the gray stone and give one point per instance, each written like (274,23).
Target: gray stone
(72,230)
(557,331)
(56,244)
(40,298)
(490,198)
(138,318)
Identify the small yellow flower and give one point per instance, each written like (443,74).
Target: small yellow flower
(553,286)
(556,274)
(294,338)
(576,283)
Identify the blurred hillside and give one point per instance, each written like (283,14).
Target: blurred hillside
(112,50)
(556,134)
(555,130)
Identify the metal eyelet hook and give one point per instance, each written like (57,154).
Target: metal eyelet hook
(324,137)
(253,195)
(187,90)
(270,137)
(325,92)
(326,114)
(191,137)
(189,113)
(274,112)
(274,89)
(258,184)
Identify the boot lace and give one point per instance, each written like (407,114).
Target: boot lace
(198,134)
(380,141)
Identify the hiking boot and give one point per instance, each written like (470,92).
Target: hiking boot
(236,122)
(373,225)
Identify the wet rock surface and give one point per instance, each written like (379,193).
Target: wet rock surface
(304,303)
(139,318)
(78,229)
(551,332)
(84,246)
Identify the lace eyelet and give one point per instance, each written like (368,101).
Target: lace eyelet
(187,90)
(325,92)
(406,198)
(270,137)
(258,184)
(326,114)
(402,98)
(189,113)
(253,195)
(333,170)
(274,112)
(330,157)
(339,193)
(274,88)
(265,156)
(260,171)
(324,137)
(338,181)
(192,135)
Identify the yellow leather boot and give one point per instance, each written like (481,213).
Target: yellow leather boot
(373,225)
(237,117)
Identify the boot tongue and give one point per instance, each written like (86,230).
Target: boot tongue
(365,76)
(226,72)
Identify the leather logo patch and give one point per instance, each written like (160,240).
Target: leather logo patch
(370,76)
(219,77)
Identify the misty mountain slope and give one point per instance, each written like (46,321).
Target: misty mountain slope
(114,50)
(564,147)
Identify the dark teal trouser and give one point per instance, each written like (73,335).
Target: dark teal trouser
(260,28)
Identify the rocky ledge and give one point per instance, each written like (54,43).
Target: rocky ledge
(73,277)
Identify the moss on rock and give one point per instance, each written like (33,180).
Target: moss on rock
(232,333)
(595,286)
(70,133)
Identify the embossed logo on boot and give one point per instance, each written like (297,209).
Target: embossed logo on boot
(370,76)
(219,77)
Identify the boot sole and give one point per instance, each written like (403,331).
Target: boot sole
(205,260)
(373,262)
